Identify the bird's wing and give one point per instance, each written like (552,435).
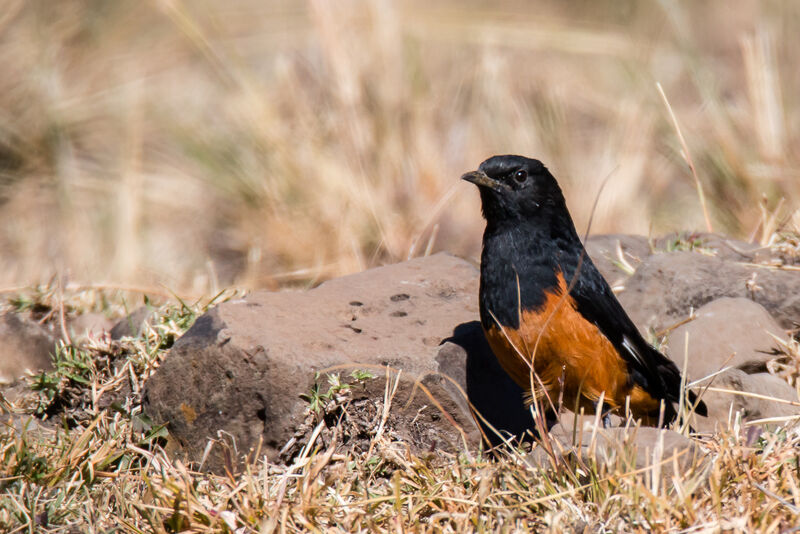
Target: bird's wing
(598,304)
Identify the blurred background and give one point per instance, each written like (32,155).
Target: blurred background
(201,144)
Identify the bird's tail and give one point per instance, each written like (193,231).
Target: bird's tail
(672,382)
(699,406)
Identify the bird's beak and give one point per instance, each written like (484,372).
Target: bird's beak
(480,179)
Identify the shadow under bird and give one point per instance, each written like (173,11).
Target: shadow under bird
(549,316)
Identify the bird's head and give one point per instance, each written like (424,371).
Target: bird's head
(515,188)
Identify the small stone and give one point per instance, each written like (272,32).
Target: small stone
(647,448)
(89,325)
(732,391)
(25,347)
(728,332)
(132,324)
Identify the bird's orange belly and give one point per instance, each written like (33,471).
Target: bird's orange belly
(558,355)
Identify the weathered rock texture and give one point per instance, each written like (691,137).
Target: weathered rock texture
(727,332)
(732,392)
(242,367)
(24,347)
(666,287)
(736,336)
(614,254)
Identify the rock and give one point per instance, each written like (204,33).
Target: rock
(730,250)
(603,251)
(622,448)
(666,286)
(707,244)
(782,250)
(636,248)
(28,425)
(25,347)
(89,324)
(240,370)
(132,324)
(723,400)
(243,365)
(740,334)
(13,394)
(773,387)
(728,332)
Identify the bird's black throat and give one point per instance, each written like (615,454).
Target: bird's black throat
(521,261)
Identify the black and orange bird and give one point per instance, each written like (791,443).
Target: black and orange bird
(549,316)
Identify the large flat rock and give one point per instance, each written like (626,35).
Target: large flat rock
(243,365)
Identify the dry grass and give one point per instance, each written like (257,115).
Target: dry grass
(200,144)
(100,466)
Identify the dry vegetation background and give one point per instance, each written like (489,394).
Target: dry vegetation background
(204,143)
(200,144)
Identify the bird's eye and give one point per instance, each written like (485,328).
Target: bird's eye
(520,176)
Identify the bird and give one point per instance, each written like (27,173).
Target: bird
(548,314)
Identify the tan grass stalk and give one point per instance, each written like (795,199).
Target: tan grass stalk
(687,158)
